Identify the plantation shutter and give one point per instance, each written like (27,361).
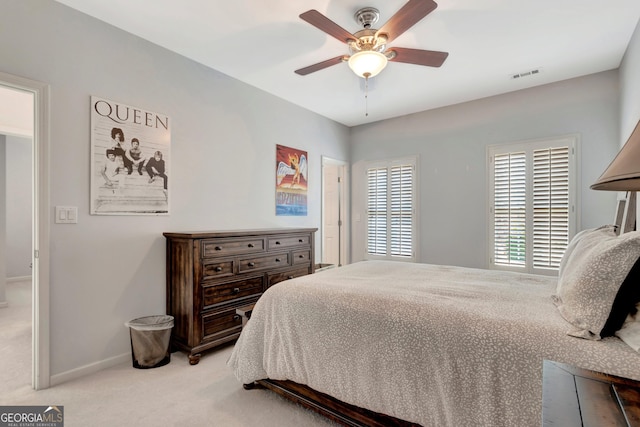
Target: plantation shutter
(533,197)
(550,206)
(510,209)
(402,210)
(377,211)
(391,216)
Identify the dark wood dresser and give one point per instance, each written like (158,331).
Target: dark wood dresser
(210,274)
(578,397)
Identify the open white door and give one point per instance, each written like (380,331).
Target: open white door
(334,212)
(40,221)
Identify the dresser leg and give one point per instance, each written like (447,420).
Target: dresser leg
(194,359)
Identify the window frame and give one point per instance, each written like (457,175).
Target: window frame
(389,164)
(573,144)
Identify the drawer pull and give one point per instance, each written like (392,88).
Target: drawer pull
(277,242)
(218,248)
(218,269)
(300,241)
(300,256)
(250,245)
(277,259)
(236,317)
(236,291)
(252,264)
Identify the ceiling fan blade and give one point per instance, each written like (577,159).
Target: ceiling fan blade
(408,15)
(430,58)
(325,24)
(321,65)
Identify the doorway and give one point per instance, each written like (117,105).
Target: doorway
(38,94)
(335,226)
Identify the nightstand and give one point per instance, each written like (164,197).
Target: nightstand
(573,396)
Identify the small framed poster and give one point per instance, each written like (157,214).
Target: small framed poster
(291,181)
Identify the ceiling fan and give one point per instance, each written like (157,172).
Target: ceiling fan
(368,47)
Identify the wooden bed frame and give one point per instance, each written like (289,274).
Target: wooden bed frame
(330,407)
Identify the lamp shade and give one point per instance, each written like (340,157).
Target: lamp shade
(623,174)
(367,63)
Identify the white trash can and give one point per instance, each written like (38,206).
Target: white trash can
(150,340)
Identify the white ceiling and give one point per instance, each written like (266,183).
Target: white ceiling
(263,42)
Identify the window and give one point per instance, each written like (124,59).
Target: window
(391,213)
(532,194)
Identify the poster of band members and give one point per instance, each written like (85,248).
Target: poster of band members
(129,160)
(291,181)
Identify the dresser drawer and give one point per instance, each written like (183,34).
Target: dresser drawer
(213,294)
(220,324)
(263,262)
(213,268)
(226,247)
(287,241)
(274,278)
(301,257)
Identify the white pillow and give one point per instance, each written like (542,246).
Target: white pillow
(630,331)
(591,277)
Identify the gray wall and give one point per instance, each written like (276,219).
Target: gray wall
(630,87)
(19,177)
(451,143)
(630,93)
(107,270)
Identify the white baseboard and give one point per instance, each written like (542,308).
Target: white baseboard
(89,369)
(18,279)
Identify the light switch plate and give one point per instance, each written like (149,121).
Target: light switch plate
(66,215)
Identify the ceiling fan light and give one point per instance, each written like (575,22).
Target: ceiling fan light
(367,63)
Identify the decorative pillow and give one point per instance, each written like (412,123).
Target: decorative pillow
(629,293)
(630,332)
(591,278)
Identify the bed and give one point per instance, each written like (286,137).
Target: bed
(422,344)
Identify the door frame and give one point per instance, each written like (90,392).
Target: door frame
(345,246)
(40,374)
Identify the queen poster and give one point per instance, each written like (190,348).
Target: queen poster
(291,181)
(130,160)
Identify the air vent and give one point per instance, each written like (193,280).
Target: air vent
(525,74)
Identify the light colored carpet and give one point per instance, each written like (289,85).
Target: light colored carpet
(15,338)
(176,394)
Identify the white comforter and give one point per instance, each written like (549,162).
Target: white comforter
(434,345)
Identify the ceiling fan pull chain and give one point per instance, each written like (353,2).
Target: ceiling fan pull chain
(366,94)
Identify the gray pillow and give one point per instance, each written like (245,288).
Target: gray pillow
(591,277)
